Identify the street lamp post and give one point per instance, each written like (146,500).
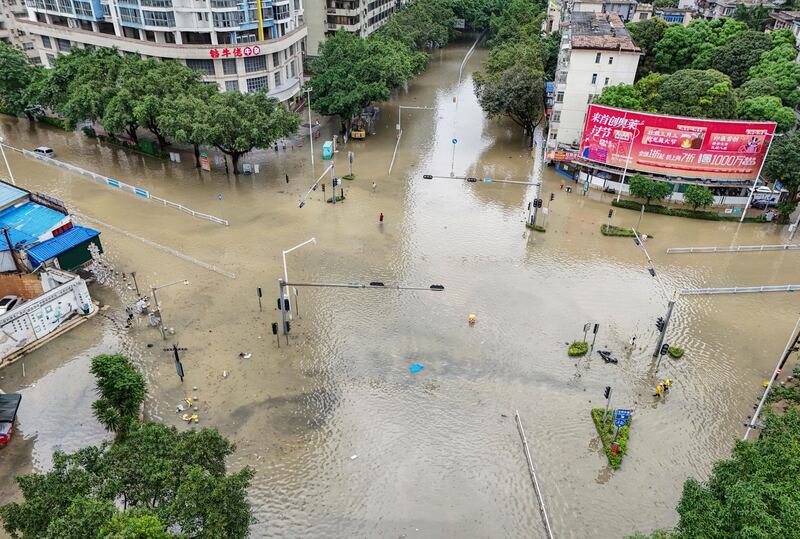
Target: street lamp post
(310,129)
(153,291)
(285,270)
(627,161)
(5,159)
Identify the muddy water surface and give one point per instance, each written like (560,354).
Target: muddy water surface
(436,453)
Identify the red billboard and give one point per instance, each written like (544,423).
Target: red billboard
(675,146)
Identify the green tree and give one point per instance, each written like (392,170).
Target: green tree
(696,93)
(649,88)
(185,120)
(756,88)
(666,3)
(783,163)
(693,46)
(425,24)
(784,36)
(121,389)
(778,67)
(736,57)
(646,35)
(644,187)
(756,493)
(169,480)
(623,96)
(17,76)
(134,525)
(350,73)
(518,93)
(767,108)
(518,18)
(119,116)
(236,123)
(755,17)
(698,196)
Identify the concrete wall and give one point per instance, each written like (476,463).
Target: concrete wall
(22,328)
(578,88)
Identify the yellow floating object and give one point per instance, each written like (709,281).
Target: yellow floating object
(186,417)
(472,319)
(188,400)
(765,383)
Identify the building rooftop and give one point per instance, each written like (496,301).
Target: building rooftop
(607,2)
(26,222)
(600,31)
(60,244)
(10,194)
(786,16)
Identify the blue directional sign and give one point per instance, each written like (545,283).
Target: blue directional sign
(487,180)
(621,417)
(455,141)
(778,186)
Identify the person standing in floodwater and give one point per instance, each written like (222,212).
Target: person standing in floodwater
(380,218)
(374,186)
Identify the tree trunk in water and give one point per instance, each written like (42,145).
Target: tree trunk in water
(235,161)
(132,134)
(162,140)
(196,156)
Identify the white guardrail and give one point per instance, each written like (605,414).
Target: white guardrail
(735,249)
(111,182)
(741,289)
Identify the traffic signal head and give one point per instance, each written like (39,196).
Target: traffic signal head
(274,328)
(472,179)
(286,304)
(280,305)
(664,349)
(652,272)
(660,323)
(288,326)
(427,176)
(610,213)
(552,196)
(607,391)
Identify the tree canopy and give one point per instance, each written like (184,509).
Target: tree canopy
(692,92)
(17,79)
(736,57)
(783,163)
(644,187)
(693,46)
(767,108)
(121,390)
(646,34)
(154,483)
(698,196)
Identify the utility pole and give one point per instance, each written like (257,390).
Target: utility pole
(10,174)
(310,129)
(11,250)
(791,346)
(158,310)
(135,284)
(594,338)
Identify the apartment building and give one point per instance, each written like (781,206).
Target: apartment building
(712,9)
(241,47)
(10,11)
(596,51)
(624,8)
(362,17)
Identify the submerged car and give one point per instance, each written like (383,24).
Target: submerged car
(9,302)
(9,404)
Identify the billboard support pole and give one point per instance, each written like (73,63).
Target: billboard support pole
(627,161)
(755,182)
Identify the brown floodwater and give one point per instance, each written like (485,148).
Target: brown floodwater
(437,452)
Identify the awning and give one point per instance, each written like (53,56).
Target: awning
(60,244)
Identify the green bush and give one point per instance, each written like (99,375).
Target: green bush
(619,231)
(681,212)
(349,177)
(606,432)
(339,198)
(675,352)
(55,122)
(578,348)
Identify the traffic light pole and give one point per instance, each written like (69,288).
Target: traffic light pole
(281,288)
(663,333)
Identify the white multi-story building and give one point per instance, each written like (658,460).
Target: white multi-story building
(10,11)
(596,51)
(240,46)
(361,17)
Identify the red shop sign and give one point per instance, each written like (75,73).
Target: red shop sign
(255,50)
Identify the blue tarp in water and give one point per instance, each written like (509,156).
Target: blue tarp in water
(416,367)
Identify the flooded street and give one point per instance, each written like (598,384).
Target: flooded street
(437,453)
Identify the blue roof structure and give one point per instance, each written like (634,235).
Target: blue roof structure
(27,222)
(60,244)
(10,194)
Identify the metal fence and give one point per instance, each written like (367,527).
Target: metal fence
(741,289)
(111,182)
(735,249)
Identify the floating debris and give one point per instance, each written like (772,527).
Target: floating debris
(416,367)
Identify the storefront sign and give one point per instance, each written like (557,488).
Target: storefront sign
(675,146)
(561,156)
(255,50)
(204,163)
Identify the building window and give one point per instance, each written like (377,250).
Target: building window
(106,10)
(82,8)
(159,18)
(610,60)
(203,66)
(63,45)
(231,85)
(277,79)
(229,66)
(46,42)
(292,72)
(556,116)
(606,83)
(276,59)
(594,78)
(51,60)
(228,19)
(255,63)
(597,58)
(560,97)
(129,15)
(642,16)
(256,83)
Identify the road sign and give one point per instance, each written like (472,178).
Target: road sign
(587,327)
(455,141)
(621,417)
(487,180)
(586,185)
(778,186)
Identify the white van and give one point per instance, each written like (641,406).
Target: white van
(45,151)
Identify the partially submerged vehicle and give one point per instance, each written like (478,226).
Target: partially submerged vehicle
(9,404)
